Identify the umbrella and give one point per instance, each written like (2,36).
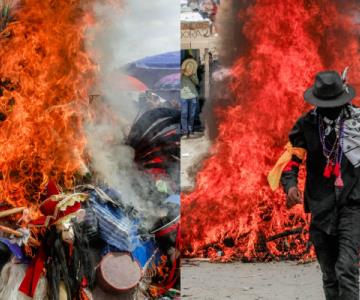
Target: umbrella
(168,83)
(168,87)
(169,61)
(151,69)
(127,83)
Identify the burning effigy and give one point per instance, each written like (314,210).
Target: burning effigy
(66,232)
(279,46)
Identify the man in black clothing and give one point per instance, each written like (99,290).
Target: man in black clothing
(330,135)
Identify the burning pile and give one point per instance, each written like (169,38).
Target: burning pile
(232,211)
(45,77)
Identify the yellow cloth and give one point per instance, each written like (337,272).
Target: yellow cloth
(62,291)
(275,173)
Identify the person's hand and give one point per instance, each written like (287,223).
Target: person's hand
(185,72)
(293,197)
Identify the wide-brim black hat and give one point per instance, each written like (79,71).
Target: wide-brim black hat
(329,90)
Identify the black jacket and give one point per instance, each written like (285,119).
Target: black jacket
(321,198)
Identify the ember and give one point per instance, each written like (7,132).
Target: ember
(287,43)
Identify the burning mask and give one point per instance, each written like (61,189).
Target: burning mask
(66,228)
(58,209)
(67,232)
(61,215)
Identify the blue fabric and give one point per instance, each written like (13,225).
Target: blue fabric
(115,228)
(15,250)
(197,120)
(144,251)
(188,112)
(152,69)
(169,60)
(112,193)
(175,199)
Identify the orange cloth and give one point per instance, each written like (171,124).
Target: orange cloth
(275,173)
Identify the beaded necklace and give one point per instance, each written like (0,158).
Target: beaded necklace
(334,153)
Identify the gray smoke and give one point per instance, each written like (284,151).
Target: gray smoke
(142,28)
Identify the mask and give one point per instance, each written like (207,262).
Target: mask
(67,232)
(330,112)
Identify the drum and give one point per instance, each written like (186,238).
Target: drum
(168,241)
(166,235)
(118,273)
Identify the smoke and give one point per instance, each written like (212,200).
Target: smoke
(232,44)
(138,29)
(230,22)
(142,28)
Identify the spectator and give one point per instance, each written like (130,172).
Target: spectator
(193,4)
(189,96)
(208,9)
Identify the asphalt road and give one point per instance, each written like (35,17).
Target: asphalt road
(248,281)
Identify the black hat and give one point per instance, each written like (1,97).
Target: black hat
(329,90)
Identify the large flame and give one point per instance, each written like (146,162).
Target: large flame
(232,211)
(45,75)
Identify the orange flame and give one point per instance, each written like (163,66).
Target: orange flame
(162,271)
(45,75)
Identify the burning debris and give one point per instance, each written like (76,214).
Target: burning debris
(66,233)
(280,46)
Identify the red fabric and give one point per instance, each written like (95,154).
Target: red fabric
(155,160)
(84,282)
(291,164)
(339,182)
(29,284)
(71,251)
(69,210)
(52,189)
(171,132)
(336,170)
(215,9)
(328,170)
(167,230)
(52,218)
(172,278)
(48,207)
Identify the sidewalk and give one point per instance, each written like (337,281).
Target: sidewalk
(193,151)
